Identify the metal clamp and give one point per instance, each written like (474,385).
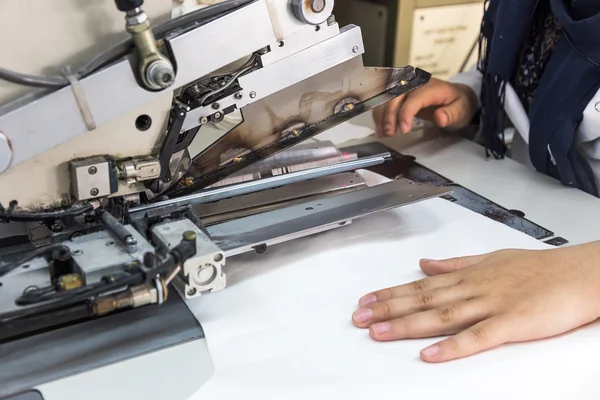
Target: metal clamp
(156,71)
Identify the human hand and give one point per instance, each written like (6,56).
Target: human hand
(446,104)
(487,300)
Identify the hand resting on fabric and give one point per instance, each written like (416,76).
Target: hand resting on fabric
(488,300)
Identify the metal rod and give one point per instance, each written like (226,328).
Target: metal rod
(119,232)
(269,183)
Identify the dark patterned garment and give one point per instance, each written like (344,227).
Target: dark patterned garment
(544,35)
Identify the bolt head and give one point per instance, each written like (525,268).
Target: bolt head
(317,5)
(216,106)
(160,74)
(238,96)
(204,120)
(191,292)
(252,95)
(92,170)
(94,192)
(189,235)
(355,49)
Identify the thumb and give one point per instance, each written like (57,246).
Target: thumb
(437,267)
(451,115)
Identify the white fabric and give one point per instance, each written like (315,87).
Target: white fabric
(587,137)
(282,329)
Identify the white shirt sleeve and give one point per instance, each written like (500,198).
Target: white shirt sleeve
(471,78)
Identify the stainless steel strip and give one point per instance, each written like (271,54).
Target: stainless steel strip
(271,199)
(268,183)
(273,227)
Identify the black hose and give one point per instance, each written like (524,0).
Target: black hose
(28,216)
(5,269)
(63,302)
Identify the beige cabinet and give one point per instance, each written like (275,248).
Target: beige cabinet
(436,35)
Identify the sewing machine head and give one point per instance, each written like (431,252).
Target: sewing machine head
(96,174)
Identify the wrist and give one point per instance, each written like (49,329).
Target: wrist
(471,99)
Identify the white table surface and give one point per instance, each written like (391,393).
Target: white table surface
(282,330)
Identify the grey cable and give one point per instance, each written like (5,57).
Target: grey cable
(120,49)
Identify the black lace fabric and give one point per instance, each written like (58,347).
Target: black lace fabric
(544,35)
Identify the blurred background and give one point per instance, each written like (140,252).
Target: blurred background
(439,36)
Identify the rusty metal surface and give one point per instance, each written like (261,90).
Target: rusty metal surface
(298,113)
(403,166)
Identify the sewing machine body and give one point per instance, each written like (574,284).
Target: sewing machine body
(105,208)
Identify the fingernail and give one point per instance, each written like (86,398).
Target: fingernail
(363,315)
(387,129)
(381,328)
(430,351)
(426,260)
(366,300)
(403,127)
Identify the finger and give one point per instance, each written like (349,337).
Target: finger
(407,305)
(441,321)
(378,120)
(416,287)
(454,114)
(427,96)
(480,337)
(390,116)
(437,267)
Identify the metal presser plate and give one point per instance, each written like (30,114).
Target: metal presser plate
(319,215)
(295,114)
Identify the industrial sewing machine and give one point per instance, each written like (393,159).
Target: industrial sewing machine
(105,208)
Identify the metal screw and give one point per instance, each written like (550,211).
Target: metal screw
(238,95)
(252,95)
(331,20)
(217,115)
(216,106)
(94,192)
(317,5)
(204,120)
(30,289)
(189,235)
(597,106)
(130,240)
(92,170)
(57,227)
(77,252)
(160,74)
(218,257)
(355,49)
(191,292)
